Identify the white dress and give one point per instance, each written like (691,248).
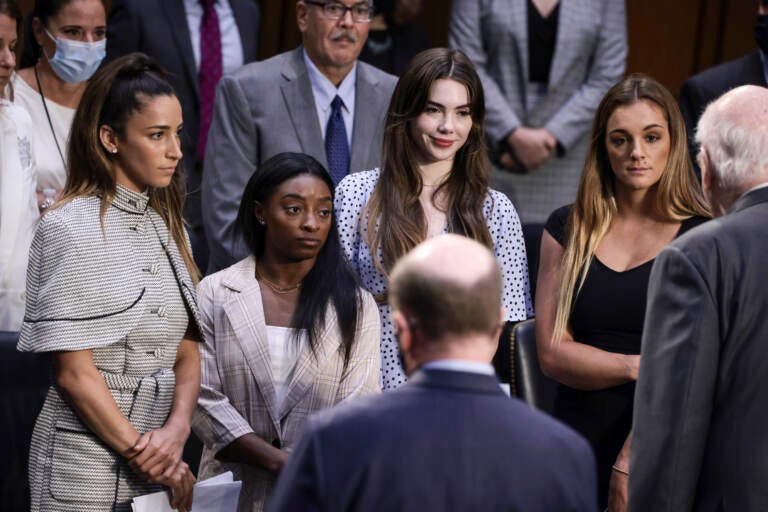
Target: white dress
(18,210)
(50,167)
(352,195)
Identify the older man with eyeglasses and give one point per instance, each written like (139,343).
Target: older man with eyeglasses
(316,99)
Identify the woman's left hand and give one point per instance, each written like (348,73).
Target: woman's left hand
(159,451)
(618,490)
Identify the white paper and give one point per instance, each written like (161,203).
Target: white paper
(217,494)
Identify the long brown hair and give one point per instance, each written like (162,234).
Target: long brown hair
(394,204)
(113,94)
(678,195)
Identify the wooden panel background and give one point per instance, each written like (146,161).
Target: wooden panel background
(669,40)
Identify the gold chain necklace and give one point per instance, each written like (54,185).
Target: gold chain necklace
(273,286)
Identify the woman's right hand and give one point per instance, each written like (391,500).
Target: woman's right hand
(157,451)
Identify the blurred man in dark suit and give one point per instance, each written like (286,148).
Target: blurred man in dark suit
(449,439)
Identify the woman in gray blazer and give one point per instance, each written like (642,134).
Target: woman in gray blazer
(545,65)
(109,293)
(288,331)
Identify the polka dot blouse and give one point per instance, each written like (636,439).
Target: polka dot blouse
(353,193)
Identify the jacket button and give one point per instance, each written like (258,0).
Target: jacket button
(276,443)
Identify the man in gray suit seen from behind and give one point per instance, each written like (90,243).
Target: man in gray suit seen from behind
(316,99)
(449,439)
(700,440)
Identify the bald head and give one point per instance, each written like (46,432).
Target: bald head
(733,137)
(448,285)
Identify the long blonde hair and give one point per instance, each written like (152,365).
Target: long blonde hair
(394,203)
(112,95)
(678,195)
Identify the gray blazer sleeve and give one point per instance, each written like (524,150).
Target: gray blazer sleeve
(608,64)
(676,386)
(466,34)
(231,157)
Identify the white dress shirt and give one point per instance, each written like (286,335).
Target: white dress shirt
(324,91)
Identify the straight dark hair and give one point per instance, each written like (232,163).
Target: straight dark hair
(330,281)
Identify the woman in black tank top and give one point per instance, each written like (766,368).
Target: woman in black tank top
(637,193)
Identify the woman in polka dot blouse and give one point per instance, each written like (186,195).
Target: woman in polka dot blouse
(434,180)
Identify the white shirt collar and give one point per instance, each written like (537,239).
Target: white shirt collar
(325,91)
(459,365)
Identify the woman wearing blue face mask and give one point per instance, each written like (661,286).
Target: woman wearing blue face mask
(70,39)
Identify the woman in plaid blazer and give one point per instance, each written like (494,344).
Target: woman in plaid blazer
(109,293)
(288,330)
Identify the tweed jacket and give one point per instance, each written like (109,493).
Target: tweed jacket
(124,293)
(589,57)
(266,108)
(237,394)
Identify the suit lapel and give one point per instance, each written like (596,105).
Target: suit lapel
(308,366)
(177,18)
(300,103)
(366,99)
(518,20)
(247,31)
(563,46)
(245,312)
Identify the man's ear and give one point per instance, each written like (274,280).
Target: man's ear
(708,181)
(301,16)
(502,321)
(403,331)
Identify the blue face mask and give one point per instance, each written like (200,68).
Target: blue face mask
(76,61)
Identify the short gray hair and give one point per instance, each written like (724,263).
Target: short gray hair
(737,149)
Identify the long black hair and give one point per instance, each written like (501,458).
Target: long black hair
(330,281)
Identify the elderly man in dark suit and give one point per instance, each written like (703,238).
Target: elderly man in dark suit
(316,99)
(449,439)
(700,439)
(197,41)
(751,69)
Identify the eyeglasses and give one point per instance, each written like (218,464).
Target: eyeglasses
(361,12)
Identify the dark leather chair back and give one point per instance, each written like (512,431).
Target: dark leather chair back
(24,381)
(528,382)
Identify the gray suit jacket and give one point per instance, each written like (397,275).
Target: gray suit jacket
(700,440)
(590,56)
(266,108)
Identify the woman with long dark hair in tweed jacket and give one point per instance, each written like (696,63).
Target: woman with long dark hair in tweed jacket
(109,293)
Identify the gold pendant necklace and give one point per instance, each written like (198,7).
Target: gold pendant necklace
(273,286)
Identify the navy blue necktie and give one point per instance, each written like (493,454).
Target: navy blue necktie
(336,145)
